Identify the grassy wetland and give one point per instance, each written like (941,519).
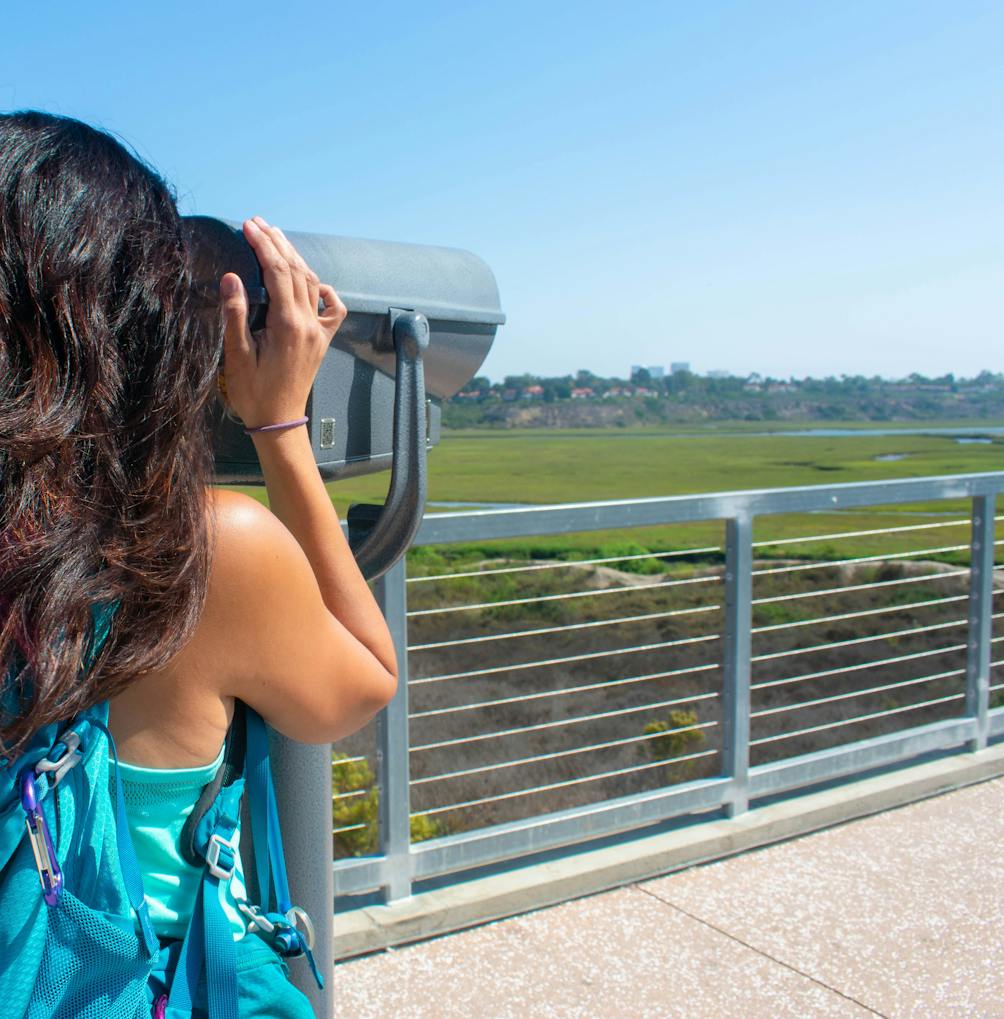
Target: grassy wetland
(569,683)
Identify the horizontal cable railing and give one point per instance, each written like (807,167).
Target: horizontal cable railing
(586,656)
(862,614)
(564,785)
(801,705)
(858,560)
(565,628)
(852,721)
(538,599)
(860,587)
(554,755)
(876,664)
(834,645)
(586,687)
(567,564)
(836,535)
(575,720)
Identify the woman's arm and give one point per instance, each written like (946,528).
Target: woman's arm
(268,636)
(316,658)
(297,496)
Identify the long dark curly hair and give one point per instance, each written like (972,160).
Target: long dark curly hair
(107,371)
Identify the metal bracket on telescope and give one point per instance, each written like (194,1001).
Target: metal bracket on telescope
(380,535)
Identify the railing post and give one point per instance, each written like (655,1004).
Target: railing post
(981,590)
(393,769)
(736,667)
(303,789)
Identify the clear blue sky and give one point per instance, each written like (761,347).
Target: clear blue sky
(784,187)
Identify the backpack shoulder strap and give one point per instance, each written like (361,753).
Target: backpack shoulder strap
(209,835)
(209,840)
(228,772)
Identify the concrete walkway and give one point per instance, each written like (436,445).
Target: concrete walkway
(900,914)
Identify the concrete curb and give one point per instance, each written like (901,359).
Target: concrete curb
(519,891)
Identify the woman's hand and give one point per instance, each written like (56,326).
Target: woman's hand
(267,377)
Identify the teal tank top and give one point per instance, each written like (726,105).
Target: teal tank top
(157,801)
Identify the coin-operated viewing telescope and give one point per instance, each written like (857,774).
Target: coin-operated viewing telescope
(420,323)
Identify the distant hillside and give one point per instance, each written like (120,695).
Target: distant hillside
(590,401)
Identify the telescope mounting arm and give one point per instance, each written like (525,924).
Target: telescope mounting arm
(380,535)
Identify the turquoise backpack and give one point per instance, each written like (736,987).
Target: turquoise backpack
(71,892)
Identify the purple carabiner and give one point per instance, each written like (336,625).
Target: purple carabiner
(49,874)
(160,1007)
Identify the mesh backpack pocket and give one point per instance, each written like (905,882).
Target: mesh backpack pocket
(69,943)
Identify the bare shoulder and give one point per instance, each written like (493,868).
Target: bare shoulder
(270,638)
(264,636)
(256,561)
(259,575)
(242,524)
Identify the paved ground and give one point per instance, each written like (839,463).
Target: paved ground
(901,914)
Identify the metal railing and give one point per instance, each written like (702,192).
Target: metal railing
(759,671)
(549,703)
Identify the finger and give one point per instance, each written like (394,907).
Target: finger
(297,265)
(237,342)
(334,310)
(286,246)
(275,270)
(314,290)
(311,280)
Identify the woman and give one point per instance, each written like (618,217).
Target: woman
(107,384)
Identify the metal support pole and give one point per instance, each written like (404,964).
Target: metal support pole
(981,590)
(302,775)
(736,666)
(393,768)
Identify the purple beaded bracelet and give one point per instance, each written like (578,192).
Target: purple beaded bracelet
(282,426)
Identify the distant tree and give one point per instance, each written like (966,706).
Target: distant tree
(557,388)
(682,382)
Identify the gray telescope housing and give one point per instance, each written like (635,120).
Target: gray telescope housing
(420,323)
(351,406)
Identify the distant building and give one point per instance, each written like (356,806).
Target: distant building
(655,371)
(583,393)
(533,392)
(679,366)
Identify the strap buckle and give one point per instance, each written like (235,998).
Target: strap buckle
(274,924)
(58,767)
(256,918)
(217,843)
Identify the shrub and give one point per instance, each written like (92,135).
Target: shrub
(776,613)
(630,548)
(361,813)
(674,737)
(351,811)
